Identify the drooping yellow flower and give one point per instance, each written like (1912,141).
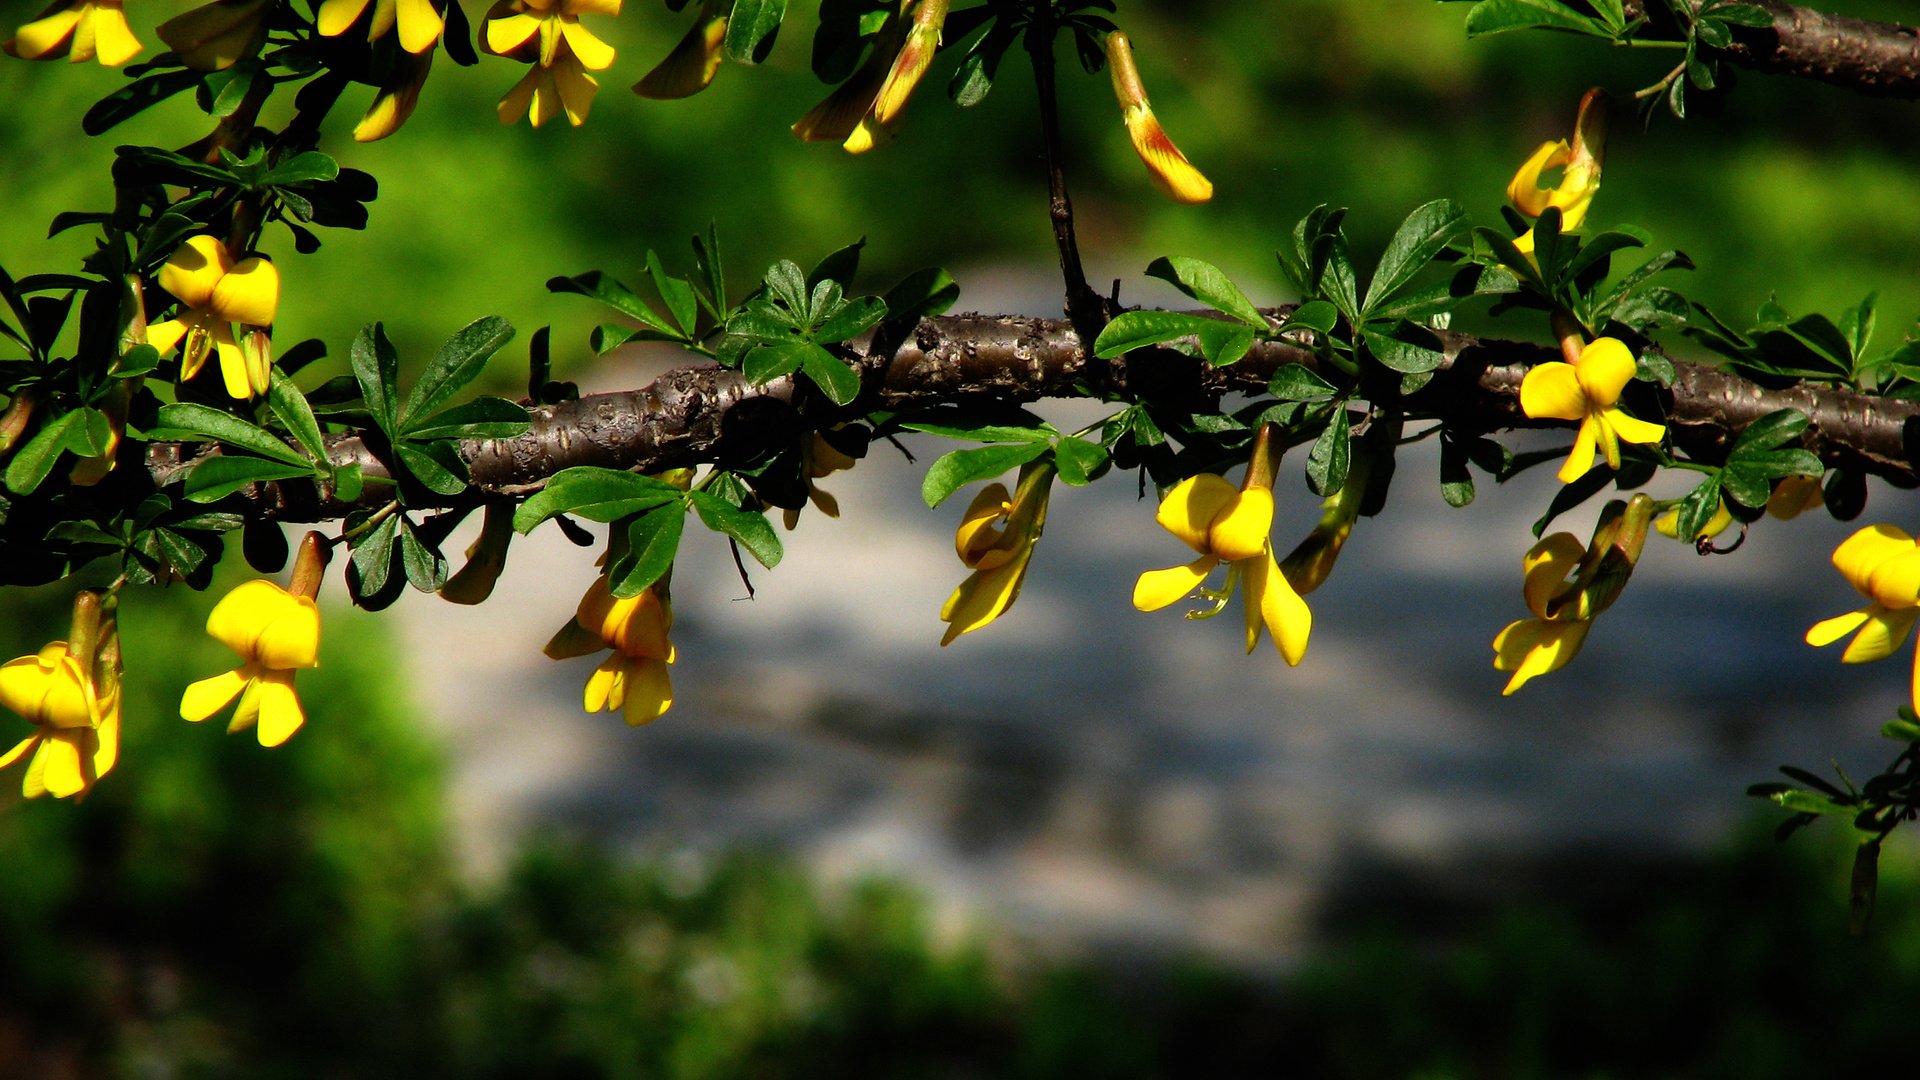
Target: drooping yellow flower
(818,458)
(214,293)
(1550,640)
(1883,564)
(1231,525)
(276,634)
(1793,496)
(396,99)
(634,677)
(1668,524)
(1580,177)
(548,35)
(420,21)
(1587,391)
(690,67)
(276,631)
(80,30)
(862,111)
(1170,170)
(995,540)
(70,691)
(214,37)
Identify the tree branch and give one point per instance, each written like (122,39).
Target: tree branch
(708,414)
(1881,59)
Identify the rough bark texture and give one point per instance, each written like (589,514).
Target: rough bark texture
(703,414)
(1882,59)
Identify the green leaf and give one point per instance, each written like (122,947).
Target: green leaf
(785,282)
(840,265)
(748,527)
(984,432)
(348,482)
(1744,15)
(961,467)
(595,494)
(373,556)
(459,362)
(1331,456)
(921,294)
(1294,382)
(1317,315)
(1079,462)
(750,34)
(221,475)
(1456,480)
(1220,342)
(1207,284)
(1419,238)
(139,360)
(1570,495)
(376,370)
(676,293)
(599,286)
(229,429)
(1698,508)
(425,566)
(290,407)
(305,167)
(1499,16)
(652,541)
(1408,349)
(135,98)
(1335,281)
(839,382)
(481,418)
(769,362)
(1744,484)
(1770,432)
(33,461)
(850,319)
(440,473)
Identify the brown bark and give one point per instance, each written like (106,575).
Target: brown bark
(1882,59)
(702,414)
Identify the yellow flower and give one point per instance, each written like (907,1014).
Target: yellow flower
(1793,496)
(215,36)
(1587,391)
(995,540)
(548,35)
(276,634)
(396,99)
(1231,525)
(690,67)
(818,458)
(214,293)
(1580,177)
(1170,170)
(80,30)
(1668,523)
(862,110)
(634,678)
(71,692)
(1883,564)
(420,21)
(1566,587)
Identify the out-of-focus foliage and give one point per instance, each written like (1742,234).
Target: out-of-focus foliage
(246,914)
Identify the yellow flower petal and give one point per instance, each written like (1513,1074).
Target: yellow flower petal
(1581,457)
(1156,589)
(1629,429)
(1883,632)
(605,687)
(1895,581)
(59,765)
(194,269)
(1860,554)
(46,38)
(909,65)
(20,749)
(1546,568)
(1524,190)
(976,536)
(690,67)
(336,16)
(249,293)
(1193,505)
(1167,167)
(265,623)
(1828,631)
(420,25)
(208,696)
(280,712)
(1272,602)
(985,595)
(1552,391)
(504,36)
(575,90)
(1606,367)
(1534,647)
(113,40)
(649,692)
(592,53)
(1242,531)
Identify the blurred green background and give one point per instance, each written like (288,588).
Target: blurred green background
(218,910)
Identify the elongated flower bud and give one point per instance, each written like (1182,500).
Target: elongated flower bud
(690,67)
(1170,170)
